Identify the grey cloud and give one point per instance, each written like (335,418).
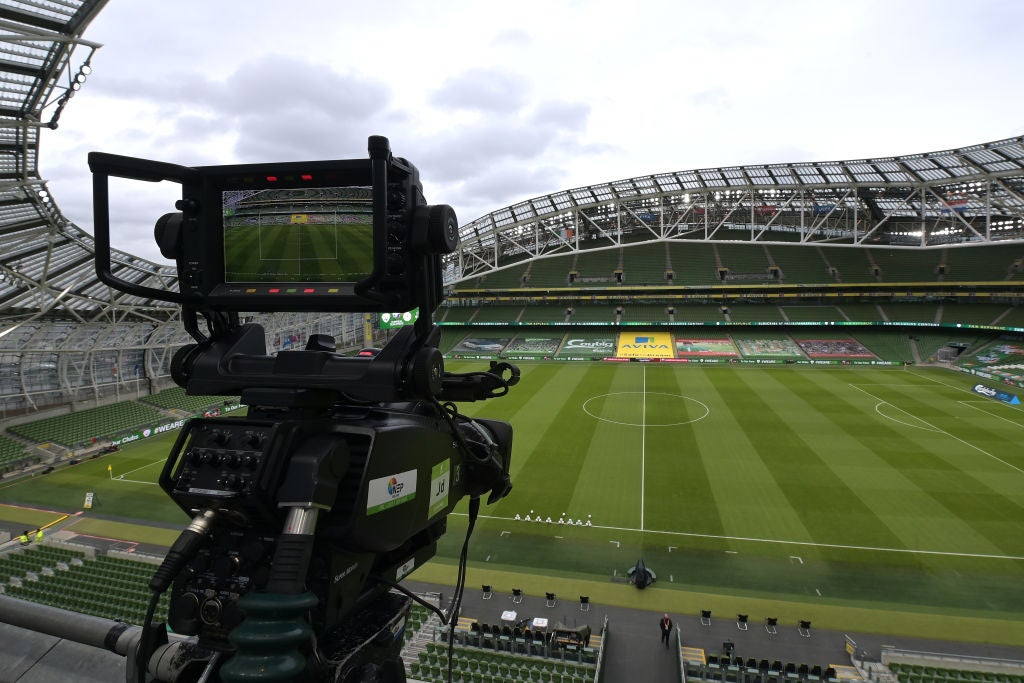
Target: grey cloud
(567,116)
(514,37)
(314,112)
(497,187)
(298,84)
(278,107)
(533,136)
(483,90)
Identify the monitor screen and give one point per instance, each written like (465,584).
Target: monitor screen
(315,234)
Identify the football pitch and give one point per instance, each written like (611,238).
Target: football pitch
(301,252)
(886,489)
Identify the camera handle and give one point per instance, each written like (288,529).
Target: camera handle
(275,629)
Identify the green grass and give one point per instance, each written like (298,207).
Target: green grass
(850,491)
(299,252)
(128,490)
(892,488)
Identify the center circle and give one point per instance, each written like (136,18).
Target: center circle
(635,409)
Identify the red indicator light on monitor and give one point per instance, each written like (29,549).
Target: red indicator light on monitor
(308,291)
(271,178)
(274,290)
(307,176)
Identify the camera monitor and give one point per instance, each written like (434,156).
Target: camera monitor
(298,235)
(346,235)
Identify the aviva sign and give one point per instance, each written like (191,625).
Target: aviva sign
(645,345)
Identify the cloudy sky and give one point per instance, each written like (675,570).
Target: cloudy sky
(498,102)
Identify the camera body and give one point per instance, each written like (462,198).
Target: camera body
(339,481)
(384,479)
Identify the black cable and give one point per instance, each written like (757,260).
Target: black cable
(146,642)
(460,584)
(408,593)
(185,547)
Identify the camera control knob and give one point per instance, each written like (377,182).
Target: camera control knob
(442,229)
(255,441)
(233,460)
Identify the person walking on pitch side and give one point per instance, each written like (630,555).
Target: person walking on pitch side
(666,628)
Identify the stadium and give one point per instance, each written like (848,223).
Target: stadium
(791,390)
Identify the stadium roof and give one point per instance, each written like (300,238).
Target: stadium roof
(967,195)
(957,196)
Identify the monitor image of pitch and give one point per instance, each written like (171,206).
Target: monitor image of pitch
(319,234)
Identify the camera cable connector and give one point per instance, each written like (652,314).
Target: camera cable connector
(192,538)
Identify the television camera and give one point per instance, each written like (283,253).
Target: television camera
(338,483)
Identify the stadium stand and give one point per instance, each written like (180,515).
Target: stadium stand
(697,313)
(509,277)
(694,264)
(175,398)
(80,428)
(1014,317)
(550,272)
(975,313)
(911,312)
(920,673)
(645,264)
(644,313)
(743,312)
(811,313)
(12,453)
(908,265)
(982,263)
(497,314)
(458,314)
(862,312)
(747,262)
(593,313)
(108,587)
(544,314)
(895,347)
(800,263)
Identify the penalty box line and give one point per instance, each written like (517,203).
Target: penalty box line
(938,430)
(810,544)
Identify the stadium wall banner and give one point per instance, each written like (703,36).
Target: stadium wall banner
(1003,396)
(480,348)
(645,345)
(697,348)
(833,348)
(780,348)
(592,348)
(532,346)
(1005,378)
